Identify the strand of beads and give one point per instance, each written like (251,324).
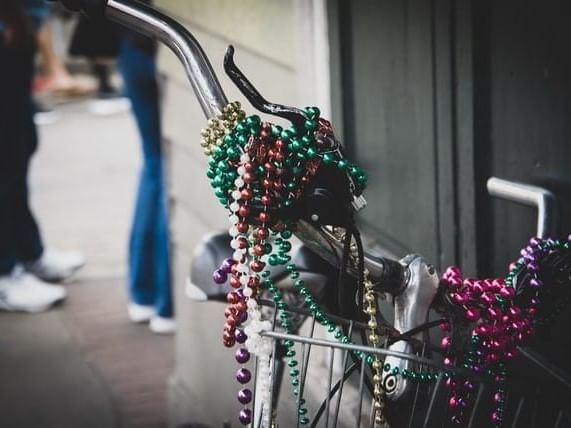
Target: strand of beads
(256,165)
(500,323)
(223,124)
(255,343)
(370,309)
(374,339)
(292,362)
(499,327)
(529,262)
(239,280)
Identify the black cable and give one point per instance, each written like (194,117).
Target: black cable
(360,267)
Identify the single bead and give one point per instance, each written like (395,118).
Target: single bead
(507,293)
(262,233)
(228,337)
(245,396)
(311,153)
(257,265)
(295,146)
(235,281)
(266,200)
(240,336)
(232,297)
(242,355)
(496,417)
(472,314)
(310,125)
(328,158)
(219,276)
(227,264)
(446,342)
(243,375)
(259,250)
(245,416)
(244,211)
(312,112)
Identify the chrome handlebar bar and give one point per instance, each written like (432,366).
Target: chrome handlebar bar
(149,21)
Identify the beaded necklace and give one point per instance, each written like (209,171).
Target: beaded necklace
(501,322)
(257,170)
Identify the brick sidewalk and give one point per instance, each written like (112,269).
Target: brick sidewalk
(84,364)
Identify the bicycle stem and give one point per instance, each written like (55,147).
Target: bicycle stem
(388,275)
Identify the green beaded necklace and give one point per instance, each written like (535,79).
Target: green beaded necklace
(304,155)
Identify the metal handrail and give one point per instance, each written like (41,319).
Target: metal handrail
(526,194)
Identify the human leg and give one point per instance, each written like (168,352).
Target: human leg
(19,234)
(149,266)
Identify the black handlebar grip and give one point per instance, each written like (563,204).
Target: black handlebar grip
(92,8)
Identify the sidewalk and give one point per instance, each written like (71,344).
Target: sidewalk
(84,364)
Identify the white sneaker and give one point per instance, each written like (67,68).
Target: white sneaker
(21,291)
(162,325)
(109,106)
(54,265)
(140,313)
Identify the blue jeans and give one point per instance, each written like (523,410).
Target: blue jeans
(149,258)
(19,234)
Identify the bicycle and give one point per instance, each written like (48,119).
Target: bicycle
(406,378)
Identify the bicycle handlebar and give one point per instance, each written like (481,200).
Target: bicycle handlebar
(412,281)
(389,275)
